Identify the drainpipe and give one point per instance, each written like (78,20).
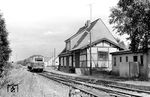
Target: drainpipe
(147,67)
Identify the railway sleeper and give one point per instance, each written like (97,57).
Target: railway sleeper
(102,88)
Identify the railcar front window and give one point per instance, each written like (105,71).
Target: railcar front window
(39,59)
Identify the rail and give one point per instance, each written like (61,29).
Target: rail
(93,89)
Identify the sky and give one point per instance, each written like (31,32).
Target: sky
(39,26)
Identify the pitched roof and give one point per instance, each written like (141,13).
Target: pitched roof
(46,59)
(99,31)
(64,52)
(80,39)
(82,29)
(36,56)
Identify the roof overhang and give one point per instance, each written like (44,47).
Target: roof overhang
(125,52)
(65,54)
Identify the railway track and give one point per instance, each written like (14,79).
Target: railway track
(94,90)
(108,83)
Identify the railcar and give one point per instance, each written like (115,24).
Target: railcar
(36,62)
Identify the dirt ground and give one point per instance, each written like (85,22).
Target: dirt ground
(32,85)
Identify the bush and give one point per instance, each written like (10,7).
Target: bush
(5,71)
(4,45)
(4,74)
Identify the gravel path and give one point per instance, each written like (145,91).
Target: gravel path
(52,88)
(33,85)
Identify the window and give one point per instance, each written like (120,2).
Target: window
(114,61)
(141,58)
(126,58)
(65,61)
(62,62)
(120,59)
(39,59)
(103,56)
(135,58)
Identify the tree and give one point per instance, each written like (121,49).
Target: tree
(132,17)
(4,44)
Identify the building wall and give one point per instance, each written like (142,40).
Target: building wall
(48,63)
(52,61)
(118,67)
(56,61)
(96,61)
(148,66)
(83,58)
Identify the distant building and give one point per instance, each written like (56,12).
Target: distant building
(56,61)
(51,61)
(47,61)
(76,56)
(129,64)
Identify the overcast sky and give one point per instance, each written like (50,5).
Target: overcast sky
(39,26)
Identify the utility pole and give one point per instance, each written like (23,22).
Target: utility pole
(90,40)
(90,5)
(54,56)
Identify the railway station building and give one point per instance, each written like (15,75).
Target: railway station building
(76,55)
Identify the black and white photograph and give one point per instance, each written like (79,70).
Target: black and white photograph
(74,48)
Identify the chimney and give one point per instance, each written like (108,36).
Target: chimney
(87,24)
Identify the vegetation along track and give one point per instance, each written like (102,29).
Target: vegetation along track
(94,89)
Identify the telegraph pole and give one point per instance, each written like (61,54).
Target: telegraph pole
(54,56)
(90,5)
(90,40)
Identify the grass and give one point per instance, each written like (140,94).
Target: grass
(4,74)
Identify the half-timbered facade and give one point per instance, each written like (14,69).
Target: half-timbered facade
(76,56)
